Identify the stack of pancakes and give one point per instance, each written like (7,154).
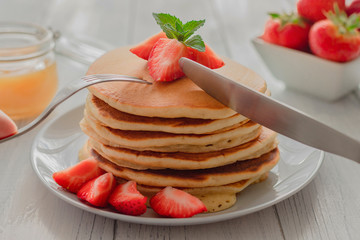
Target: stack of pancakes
(174,134)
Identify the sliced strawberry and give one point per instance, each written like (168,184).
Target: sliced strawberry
(98,190)
(143,49)
(7,126)
(163,62)
(207,58)
(74,177)
(171,202)
(128,200)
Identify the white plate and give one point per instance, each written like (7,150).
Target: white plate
(57,144)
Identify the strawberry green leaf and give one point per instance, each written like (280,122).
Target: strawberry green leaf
(196,42)
(274,15)
(288,18)
(345,24)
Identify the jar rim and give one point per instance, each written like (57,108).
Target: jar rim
(25,40)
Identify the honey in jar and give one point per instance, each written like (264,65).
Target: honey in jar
(28,77)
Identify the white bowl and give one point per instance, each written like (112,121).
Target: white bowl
(307,73)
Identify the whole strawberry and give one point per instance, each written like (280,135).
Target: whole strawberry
(337,38)
(288,30)
(314,9)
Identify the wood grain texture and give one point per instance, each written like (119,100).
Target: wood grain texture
(328,208)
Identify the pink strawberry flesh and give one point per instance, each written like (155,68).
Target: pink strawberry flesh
(7,126)
(207,58)
(143,49)
(128,200)
(98,190)
(172,202)
(163,64)
(74,177)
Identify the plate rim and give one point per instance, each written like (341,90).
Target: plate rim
(158,221)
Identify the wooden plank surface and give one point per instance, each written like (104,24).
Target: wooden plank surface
(328,208)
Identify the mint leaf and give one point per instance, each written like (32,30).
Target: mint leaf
(164,18)
(196,42)
(175,29)
(191,27)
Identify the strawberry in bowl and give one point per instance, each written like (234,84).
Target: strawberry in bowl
(329,67)
(288,30)
(354,7)
(336,38)
(314,10)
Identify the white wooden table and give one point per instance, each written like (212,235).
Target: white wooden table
(328,208)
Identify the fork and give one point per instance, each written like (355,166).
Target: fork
(68,91)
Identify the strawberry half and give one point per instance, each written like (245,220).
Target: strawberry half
(7,126)
(171,202)
(143,49)
(207,58)
(97,191)
(74,177)
(128,200)
(163,64)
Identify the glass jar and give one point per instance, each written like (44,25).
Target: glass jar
(28,77)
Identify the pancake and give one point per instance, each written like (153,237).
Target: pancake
(142,140)
(180,98)
(116,119)
(180,160)
(159,139)
(218,176)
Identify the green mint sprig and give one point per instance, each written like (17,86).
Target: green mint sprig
(175,29)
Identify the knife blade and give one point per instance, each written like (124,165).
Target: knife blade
(271,113)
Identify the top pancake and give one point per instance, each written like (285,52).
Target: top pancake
(180,98)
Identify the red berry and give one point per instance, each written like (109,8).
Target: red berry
(97,191)
(143,49)
(326,42)
(128,200)
(171,202)
(7,126)
(354,7)
(74,177)
(163,62)
(288,30)
(207,58)
(314,9)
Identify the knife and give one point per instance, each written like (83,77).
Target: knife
(271,113)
